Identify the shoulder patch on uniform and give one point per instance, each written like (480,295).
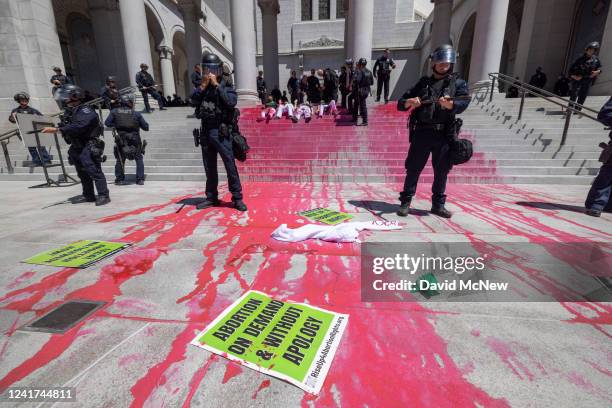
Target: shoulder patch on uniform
(86,109)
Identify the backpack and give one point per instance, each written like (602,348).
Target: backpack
(461,150)
(240,147)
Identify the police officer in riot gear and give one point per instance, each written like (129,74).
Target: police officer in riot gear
(436,100)
(83,131)
(362,81)
(58,79)
(215,103)
(110,93)
(346,83)
(583,72)
(382,73)
(23,99)
(146,85)
(128,144)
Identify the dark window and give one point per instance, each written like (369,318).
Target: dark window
(323,9)
(340,9)
(306,10)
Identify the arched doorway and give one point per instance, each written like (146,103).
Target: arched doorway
(588,25)
(464,49)
(179,66)
(82,52)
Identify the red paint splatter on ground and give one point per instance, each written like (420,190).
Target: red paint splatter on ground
(509,357)
(196,380)
(50,350)
(264,384)
(20,279)
(231,371)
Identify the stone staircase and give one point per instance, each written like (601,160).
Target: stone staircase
(331,150)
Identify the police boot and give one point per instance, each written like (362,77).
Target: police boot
(82,199)
(207,203)
(240,205)
(593,213)
(102,200)
(440,211)
(404,209)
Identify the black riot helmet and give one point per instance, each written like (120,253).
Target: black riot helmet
(211,64)
(127,100)
(362,62)
(593,45)
(68,93)
(20,96)
(349,62)
(110,79)
(444,53)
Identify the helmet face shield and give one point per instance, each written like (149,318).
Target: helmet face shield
(214,69)
(68,93)
(127,99)
(447,55)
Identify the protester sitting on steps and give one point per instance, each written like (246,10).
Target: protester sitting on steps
(304,110)
(269,109)
(283,107)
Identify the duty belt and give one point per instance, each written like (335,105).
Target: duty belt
(430,126)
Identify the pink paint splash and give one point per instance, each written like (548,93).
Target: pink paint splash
(264,384)
(231,371)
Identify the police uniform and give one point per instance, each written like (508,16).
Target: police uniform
(598,198)
(146,84)
(429,133)
(33,150)
(314,89)
(109,95)
(261,89)
(196,79)
(583,67)
(382,72)
(83,130)
(63,80)
(293,85)
(212,141)
(362,80)
(127,123)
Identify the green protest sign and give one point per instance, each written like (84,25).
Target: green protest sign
(80,254)
(291,341)
(326,216)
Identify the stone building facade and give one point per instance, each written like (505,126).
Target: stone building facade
(91,39)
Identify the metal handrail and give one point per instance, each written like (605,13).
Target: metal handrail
(567,105)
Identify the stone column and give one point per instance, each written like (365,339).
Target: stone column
(29,47)
(269,10)
(348,52)
(362,14)
(167,72)
(106,23)
(488,39)
(243,51)
(135,36)
(440,34)
(191,18)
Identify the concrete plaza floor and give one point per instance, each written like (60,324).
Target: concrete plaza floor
(186,265)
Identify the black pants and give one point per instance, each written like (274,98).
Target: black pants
(599,194)
(89,171)
(153,92)
(360,108)
(120,166)
(343,95)
(423,142)
(262,97)
(212,143)
(579,91)
(383,80)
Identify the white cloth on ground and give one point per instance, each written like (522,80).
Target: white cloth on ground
(345,232)
(284,108)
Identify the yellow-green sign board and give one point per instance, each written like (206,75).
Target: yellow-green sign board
(292,341)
